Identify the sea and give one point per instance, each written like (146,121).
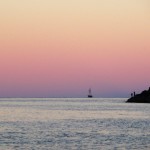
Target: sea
(73,124)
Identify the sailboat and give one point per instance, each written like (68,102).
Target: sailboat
(90,93)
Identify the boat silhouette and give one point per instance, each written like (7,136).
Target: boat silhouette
(90,93)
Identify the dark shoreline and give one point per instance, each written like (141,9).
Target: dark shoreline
(143,97)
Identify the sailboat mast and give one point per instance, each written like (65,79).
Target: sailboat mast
(90,91)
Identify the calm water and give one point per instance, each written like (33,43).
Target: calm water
(73,124)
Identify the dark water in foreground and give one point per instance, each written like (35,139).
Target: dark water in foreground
(73,124)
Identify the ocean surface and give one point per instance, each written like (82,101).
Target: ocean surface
(73,124)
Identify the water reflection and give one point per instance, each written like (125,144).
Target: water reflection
(73,124)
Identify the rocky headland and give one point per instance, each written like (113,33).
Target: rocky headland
(143,97)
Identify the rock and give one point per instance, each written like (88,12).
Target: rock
(143,97)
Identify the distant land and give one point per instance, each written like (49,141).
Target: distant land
(143,97)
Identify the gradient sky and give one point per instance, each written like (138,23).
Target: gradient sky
(60,48)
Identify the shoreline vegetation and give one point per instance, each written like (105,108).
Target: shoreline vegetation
(143,97)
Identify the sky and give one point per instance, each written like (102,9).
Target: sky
(55,48)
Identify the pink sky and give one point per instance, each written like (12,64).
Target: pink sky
(62,48)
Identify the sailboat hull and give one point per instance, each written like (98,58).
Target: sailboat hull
(90,96)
